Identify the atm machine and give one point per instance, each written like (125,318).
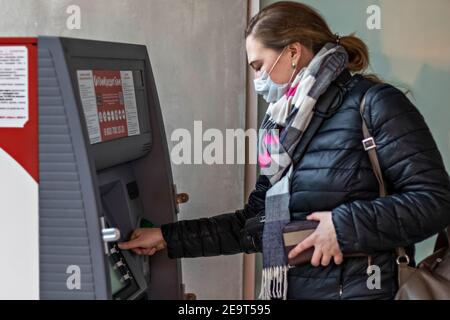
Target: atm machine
(104,170)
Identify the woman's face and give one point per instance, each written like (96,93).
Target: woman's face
(262,59)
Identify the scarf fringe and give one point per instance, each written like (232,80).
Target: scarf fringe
(274,283)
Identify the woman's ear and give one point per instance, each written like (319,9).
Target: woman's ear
(295,52)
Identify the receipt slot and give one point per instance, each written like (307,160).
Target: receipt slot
(104,170)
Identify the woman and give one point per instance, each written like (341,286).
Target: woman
(297,59)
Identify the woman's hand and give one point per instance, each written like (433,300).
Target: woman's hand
(145,241)
(324,241)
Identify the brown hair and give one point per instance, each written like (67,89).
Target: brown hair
(286,22)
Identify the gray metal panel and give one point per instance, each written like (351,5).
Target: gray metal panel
(154,178)
(69,219)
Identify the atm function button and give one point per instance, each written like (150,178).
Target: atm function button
(126,276)
(119,264)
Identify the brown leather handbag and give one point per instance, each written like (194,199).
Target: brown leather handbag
(430,280)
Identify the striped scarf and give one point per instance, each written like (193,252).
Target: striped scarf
(292,114)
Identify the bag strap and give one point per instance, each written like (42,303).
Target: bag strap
(370,146)
(404,271)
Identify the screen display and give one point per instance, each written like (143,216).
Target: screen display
(108,98)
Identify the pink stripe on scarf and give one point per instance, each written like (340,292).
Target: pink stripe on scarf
(265,159)
(291,91)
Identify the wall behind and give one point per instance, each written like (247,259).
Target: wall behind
(197,52)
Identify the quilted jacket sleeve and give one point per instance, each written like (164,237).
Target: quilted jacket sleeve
(219,235)
(418,204)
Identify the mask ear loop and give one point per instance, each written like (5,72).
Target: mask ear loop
(292,76)
(278,59)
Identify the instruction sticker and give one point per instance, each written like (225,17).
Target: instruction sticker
(13,86)
(109,104)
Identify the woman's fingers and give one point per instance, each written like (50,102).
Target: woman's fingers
(149,251)
(145,251)
(302,246)
(326,260)
(317,257)
(160,246)
(132,244)
(136,233)
(314,216)
(144,241)
(338,258)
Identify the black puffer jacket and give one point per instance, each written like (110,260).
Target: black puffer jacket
(335,175)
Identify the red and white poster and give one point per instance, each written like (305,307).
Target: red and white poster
(109,104)
(13,86)
(19,176)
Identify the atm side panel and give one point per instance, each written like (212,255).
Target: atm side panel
(71,247)
(154,178)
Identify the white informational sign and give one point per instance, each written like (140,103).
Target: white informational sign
(13,86)
(109,104)
(19,231)
(87,94)
(129,98)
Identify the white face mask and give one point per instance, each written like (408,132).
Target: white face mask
(270,90)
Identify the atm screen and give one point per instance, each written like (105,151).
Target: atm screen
(108,99)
